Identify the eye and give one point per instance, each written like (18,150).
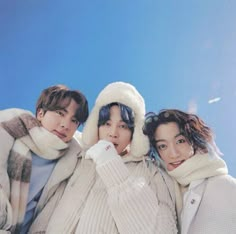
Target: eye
(108,124)
(123,126)
(75,121)
(181,141)
(59,112)
(161,147)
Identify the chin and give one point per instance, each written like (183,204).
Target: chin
(171,168)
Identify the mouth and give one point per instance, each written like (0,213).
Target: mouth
(115,145)
(176,164)
(59,134)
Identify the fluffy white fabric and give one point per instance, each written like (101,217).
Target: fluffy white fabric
(102,152)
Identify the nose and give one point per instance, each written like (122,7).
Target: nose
(113,132)
(65,123)
(173,152)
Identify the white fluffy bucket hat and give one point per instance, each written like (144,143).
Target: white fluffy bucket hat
(128,95)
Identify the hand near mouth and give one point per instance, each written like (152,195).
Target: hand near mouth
(102,152)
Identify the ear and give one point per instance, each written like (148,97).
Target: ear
(40,114)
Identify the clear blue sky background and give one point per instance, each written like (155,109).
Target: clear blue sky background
(178,54)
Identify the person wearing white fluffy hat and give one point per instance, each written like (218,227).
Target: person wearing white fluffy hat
(115,189)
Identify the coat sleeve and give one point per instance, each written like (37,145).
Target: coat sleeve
(5,147)
(6,144)
(5,212)
(7,139)
(138,205)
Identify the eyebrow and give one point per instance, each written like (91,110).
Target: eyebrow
(179,134)
(63,109)
(122,121)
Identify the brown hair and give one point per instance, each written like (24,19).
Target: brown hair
(58,97)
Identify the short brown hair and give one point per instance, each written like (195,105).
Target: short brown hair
(58,97)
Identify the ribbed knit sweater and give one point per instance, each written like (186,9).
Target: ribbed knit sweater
(115,198)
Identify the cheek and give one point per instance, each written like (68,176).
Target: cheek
(127,137)
(163,157)
(101,133)
(189,152)
(73,129)
(48,124)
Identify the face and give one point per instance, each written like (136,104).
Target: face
(61,122)
(172,146)
(115,130)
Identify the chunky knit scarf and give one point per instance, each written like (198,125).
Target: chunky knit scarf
(200,166)
(21,133)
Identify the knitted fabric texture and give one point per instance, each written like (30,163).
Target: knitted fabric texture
(23,133)
(200,166)
(113,203)
(126,94)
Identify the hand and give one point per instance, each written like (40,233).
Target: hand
(101,152)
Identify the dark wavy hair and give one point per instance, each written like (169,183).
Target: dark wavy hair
(199,135)
(127,115)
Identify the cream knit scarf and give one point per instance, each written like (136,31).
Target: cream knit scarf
(20,134)
(200,166)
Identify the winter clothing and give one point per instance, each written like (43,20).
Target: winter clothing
(205,196)
(21,135)
(126,94)
(118,195)
(102,152)
(40,173)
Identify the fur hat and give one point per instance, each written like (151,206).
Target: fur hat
(128,95)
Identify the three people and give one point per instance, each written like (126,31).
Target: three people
(205,193)
(115,188)
(38,154)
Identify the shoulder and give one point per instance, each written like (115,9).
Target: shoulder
(161,181)
(75,145)
(160,173)
(223,180)
(221,187)
(10,113)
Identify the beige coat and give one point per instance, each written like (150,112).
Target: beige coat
(210,206)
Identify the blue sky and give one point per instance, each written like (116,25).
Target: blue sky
(178,54)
